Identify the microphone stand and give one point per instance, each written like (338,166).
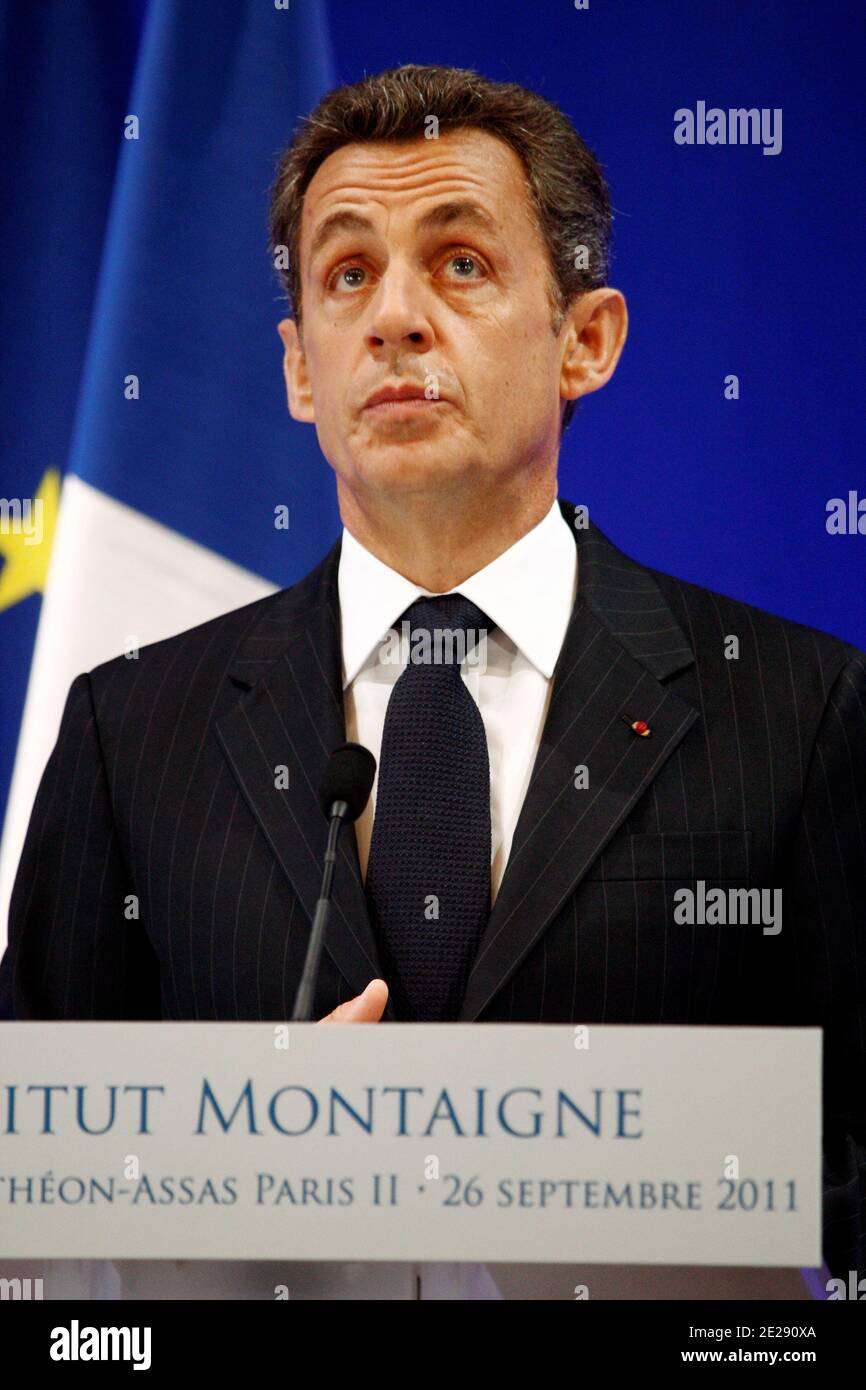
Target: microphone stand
(303,1009)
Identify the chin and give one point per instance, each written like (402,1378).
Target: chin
(410,467)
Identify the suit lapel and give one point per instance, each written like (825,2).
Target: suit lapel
(290,663)
(622,642)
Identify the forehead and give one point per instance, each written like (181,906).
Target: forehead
(412,176)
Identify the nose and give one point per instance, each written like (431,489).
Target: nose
(399,315)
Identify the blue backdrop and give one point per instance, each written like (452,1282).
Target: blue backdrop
(148,256)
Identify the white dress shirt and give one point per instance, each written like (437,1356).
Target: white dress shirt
(528,592)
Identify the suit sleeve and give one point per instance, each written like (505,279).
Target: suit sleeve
(825,902)
(77,947)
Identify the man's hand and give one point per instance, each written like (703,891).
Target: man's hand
(364,1008)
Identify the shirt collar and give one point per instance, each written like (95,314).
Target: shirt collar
(528,592)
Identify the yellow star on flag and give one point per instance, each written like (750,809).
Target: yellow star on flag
(26,536)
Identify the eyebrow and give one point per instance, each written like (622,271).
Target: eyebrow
(338,222)
(459,210)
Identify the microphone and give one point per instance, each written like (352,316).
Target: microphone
(347,782)
(344,792)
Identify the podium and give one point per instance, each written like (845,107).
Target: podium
(540,1161)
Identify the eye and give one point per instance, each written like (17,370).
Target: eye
(348,277)
(464,266)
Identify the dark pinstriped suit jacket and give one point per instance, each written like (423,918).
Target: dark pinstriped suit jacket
(162,786)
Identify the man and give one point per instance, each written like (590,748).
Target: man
(535,811)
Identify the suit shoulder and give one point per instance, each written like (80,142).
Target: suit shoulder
(211,644)
(707,614)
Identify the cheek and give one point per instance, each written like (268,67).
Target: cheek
(326,371)
(520,371)
(518,338)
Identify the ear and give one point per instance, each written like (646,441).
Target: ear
(593,335)
(298,390)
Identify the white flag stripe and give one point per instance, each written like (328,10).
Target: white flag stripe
(115,576)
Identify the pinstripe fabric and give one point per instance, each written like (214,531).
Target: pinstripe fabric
(163,798)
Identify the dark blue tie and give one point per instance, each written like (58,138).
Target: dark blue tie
(428,873)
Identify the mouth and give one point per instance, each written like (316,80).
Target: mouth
(409,408)
(400,402)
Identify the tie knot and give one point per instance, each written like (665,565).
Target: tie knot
(453,626)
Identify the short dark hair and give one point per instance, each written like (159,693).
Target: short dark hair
(568,193)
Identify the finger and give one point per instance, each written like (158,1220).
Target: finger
(364,1008)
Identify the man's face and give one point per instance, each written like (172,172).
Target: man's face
(422,269)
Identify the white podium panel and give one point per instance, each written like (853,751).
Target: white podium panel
(458,1142)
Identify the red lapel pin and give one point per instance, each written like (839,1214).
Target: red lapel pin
(638,726)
